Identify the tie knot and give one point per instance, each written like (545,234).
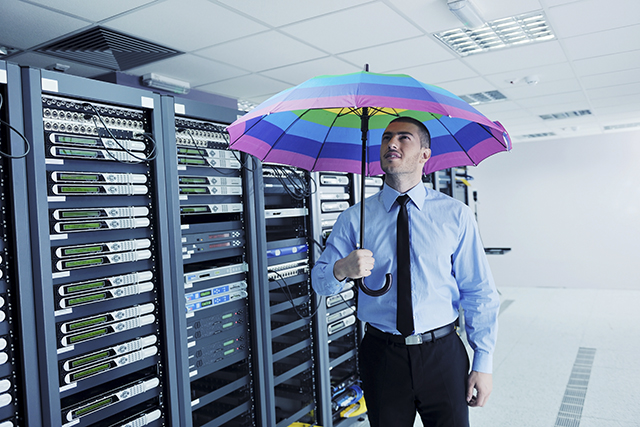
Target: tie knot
(403,200)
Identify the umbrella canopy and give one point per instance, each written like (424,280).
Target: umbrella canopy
(335,123)
(318,125)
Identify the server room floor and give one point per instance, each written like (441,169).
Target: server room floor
(565,357)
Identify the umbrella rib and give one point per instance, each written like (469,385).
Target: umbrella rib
(284,133)
(324,140)
(455,139)
(493,136)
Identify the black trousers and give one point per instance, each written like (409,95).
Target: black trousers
(429,378)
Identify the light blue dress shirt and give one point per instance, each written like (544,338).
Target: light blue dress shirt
(449,268)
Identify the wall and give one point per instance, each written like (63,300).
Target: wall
(568,208)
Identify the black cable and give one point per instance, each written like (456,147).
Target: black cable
(27,146)
(248,169)
(289,296)
(204,159)
(152,154)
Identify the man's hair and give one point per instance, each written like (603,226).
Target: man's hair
(425,136)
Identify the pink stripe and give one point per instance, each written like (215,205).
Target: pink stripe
(236,129)
(288,158)
(252,145)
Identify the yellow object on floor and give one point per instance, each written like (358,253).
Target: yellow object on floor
(358,408)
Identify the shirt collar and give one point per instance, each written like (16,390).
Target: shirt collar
(417,194)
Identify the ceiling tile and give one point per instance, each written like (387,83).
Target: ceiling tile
(544,88)
(245,87)
(546,74)
(491,10)
(506,108)
(468,86)
(440,73)
(611,79)
(603,43)
(93,11)
(401,54)
(40,60)
(524,57)
(551,100)
(608,63)
(632,99)
(262,51)
(298,73)
(354,28)
(203,24)
(592,16)
(614,91)
(285,12)
(432,16)
(191,68)
(24,25)
(555,108)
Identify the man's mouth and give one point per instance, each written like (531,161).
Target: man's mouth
(392,155)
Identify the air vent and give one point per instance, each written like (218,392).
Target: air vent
(246,106)
(483,97)
(622,126)
(537,135)
(108,49)
(565,115)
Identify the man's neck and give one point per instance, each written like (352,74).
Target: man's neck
(401,182)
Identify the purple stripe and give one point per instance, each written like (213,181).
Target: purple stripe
(288,158)
(338,165)
(251,145)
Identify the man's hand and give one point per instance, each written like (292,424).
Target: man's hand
(356,265)
(483,383)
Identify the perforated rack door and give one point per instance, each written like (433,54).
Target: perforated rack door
(102,277)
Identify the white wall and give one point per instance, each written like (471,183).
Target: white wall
(568,208)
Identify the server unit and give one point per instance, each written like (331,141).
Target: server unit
(287,296)
(216,299)
(100,238)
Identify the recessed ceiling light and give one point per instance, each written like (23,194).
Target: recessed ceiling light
(537,135)
(516,30)
(622,126)
(244,105)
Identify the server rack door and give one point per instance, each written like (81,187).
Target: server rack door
(100,239)
(217,301)
(18,372)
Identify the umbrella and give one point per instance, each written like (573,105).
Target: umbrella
(335,123)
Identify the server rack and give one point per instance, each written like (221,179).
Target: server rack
(338,332)
(216,294)
(453,182)
(17,327)
(100,242)
(286,294)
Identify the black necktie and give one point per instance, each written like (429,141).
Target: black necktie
(404,314)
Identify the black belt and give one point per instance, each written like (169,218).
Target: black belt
(413,339)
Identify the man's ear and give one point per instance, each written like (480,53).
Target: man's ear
(426,154)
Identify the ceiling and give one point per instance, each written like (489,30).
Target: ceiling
(252,49)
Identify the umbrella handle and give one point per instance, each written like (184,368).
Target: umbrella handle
(388,278)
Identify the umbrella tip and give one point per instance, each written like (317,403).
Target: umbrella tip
(366,67)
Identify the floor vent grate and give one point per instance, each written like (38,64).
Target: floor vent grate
(576,391)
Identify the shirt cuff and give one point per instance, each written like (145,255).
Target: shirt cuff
(331,285)
(482,362)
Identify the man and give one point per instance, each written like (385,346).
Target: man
(425,368)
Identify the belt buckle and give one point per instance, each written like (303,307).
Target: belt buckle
(413,340)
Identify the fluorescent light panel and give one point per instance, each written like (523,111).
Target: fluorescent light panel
(565,115)
(517,30)
(484,97)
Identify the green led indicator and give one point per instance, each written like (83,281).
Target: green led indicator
(74,190)
(81,226)
(89,359)
(197,190)
(205,294)
(87,299)
(187,161)
(190,151)
(188,180)
(82,374)
(228,343)
(227,325)
(83,262)
(88,322)
(207,303)
(88,335)
(196,209)
(82,250)
(86,286)
(91,408)
(78,177)
(227,316)
(228,352)
(75,140)
(77,153)
(80,214)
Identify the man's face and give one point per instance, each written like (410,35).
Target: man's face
(400,150)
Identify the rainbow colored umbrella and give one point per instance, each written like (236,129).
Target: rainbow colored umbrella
(335,123)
